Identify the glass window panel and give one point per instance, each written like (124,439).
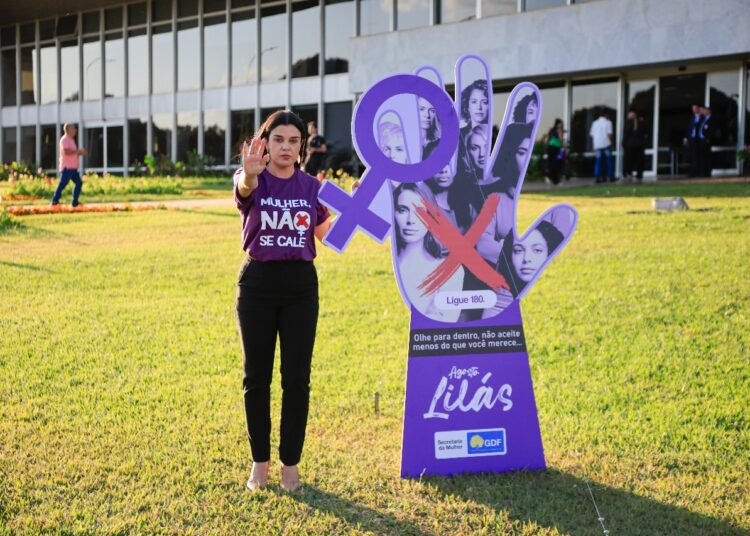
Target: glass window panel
(273,43)
(91,22)
(242,3)
(589,101)
(28,93)
(162,59)
(113,18)
(724,94)
(8,36)
(187,8)
(211,6)
(162,135)
(641,97)
(305,39)
(8,59)
(28,145)
(491,8)
(49,147)
(499,102)
(413,14)
(92,70)
(69,71)
(136,14)
(161,10)
(9,144)
(339,28)
(187,134)
(215,52)
(66,26)
(457,10)
(307,112)
(747,108)
(214,133)
(137,141)
(244,45)
(27,33)
(540,4)
(48,70)
(114,54)
(188,51)
(338,122)
(46,29)
(95,146)
(243,128)
(114,146)
(137,51)
(375,16)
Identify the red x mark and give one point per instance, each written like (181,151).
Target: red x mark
(460,247)
(302,221)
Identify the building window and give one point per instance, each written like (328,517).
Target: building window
(214,132)
(306,112)
(162,59)
(28,145)
(114,147)
(49,147)
(28,76)
(641,99)
(8,36)
(458,10)
(723,98)
(95,146)
(188,51)
(243,128)
(91,22)
(113,18)
(137,141)
(213,6)
(541,4)
(137,53)
(553,107)
(491,8)
(48,69)
(273,43)
(69,71)
(161,10)
(162,135)
(215,52)
(114,54)
(137,14)
(187,8)
(187,134)
(46,29)
(338,120)
(9,144)
(375,16)
(413,14)
(92,68)
(8,59)
(244,48)
(590,100)
(305,38)
(339,25)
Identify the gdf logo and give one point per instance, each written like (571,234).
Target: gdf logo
(302,221)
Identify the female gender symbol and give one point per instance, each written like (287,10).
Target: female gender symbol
(354,210)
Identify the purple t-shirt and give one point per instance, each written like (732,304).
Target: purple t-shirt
(279,217)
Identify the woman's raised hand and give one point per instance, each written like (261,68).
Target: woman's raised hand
(253,158)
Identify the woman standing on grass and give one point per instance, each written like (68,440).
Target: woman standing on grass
(277,288)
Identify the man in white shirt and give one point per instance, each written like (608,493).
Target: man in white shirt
(601,134)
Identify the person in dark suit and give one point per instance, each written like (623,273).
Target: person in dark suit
(691,142)
(634,143)
(706,131)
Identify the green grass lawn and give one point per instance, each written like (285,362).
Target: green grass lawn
(121,400)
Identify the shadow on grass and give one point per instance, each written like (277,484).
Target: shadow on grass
(228,214)
(560,501)
(23,266)
(354,514)
(657,189)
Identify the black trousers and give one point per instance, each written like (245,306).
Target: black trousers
(277,298)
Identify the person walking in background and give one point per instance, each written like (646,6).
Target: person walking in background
(705,132)
(316,150)
(601,134)
(69,153)
(691,142)
(633,144)
(555,152)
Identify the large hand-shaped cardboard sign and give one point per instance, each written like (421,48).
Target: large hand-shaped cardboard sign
(449,199)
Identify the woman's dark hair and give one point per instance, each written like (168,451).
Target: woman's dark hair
(552,236)
(429,243)
(284,117)
(505,166)
(481,85)
(457,200)
(519,112)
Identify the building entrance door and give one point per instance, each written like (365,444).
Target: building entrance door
(677,94)
(105,146)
